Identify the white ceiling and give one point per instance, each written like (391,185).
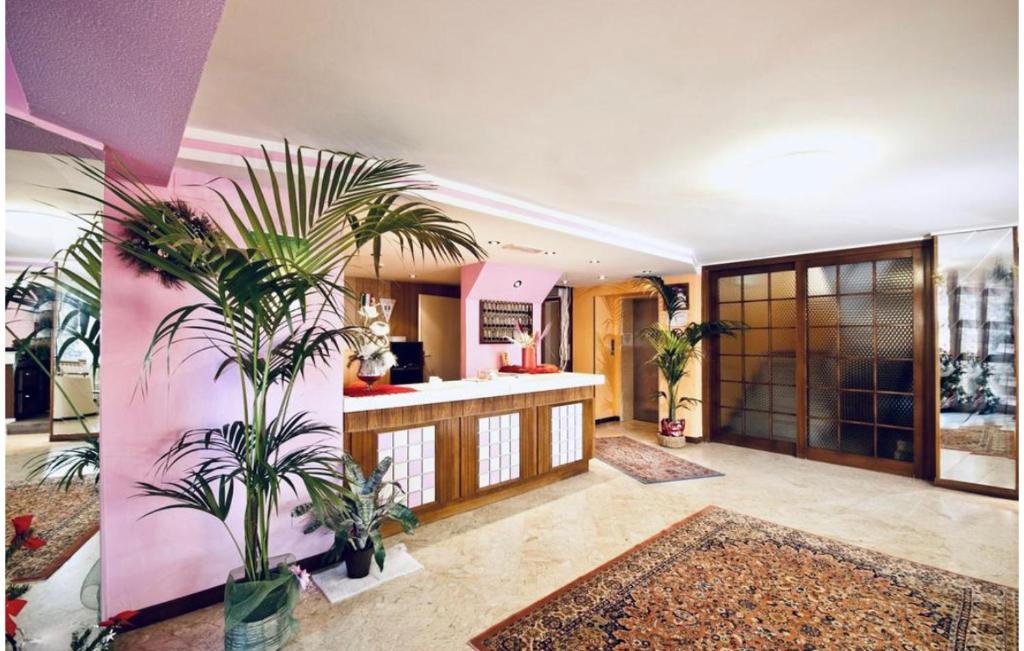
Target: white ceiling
(740,130)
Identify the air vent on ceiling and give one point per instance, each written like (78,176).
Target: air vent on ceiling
(521,249)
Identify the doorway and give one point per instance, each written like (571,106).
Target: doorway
(639,377)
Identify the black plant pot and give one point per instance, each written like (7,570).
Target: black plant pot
(357,561)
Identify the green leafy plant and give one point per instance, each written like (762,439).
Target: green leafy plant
(356,516)
(270,309)
(72,464)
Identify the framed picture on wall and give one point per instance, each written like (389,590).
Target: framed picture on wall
(682,317)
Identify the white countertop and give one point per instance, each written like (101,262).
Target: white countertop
(456,390)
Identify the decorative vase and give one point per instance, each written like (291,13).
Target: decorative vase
(371,370)
(670,434)
(357,561)
(529,357)
(259,614)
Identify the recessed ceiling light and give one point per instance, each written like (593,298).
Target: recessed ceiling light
(646,271)
(412,275)
(593,262)
(549,253)
(494,242)
(517,283)
(602,277)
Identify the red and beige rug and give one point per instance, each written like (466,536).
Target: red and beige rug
(986,440)
(722,580)
(646,463)
(64,520)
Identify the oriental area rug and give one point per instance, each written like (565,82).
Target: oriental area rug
(722,580)
(645,463)
(987,440)
(64,520)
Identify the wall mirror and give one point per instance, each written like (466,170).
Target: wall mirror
(976,319)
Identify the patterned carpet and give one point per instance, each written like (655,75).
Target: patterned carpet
(64,520)
(986,440)
(646,463)
(722,580)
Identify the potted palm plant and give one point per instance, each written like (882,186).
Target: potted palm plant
(674,349)
(355,518)
(269,308)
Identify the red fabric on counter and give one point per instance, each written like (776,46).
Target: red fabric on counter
(360,389)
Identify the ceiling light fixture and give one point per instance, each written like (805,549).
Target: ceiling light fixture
(517,283)
(646,271)
(593,262)
(494,242)
(602,277)
(412,275)
(549,253)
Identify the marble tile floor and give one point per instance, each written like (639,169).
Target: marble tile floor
(484,565)
(959,465)
(20,448)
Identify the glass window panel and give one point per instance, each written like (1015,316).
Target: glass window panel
(757,396)
(783,341)
(756,369)
(783,399)
(895,375)
(730,288)
(731,394)
(784,427)
(823,434)
(823,341)
(730,421)
(895,275)
(855,278)
(784,314)
(896,410)
(784,284)
(731,345)
(858,405)
(822,403)
(821,280)
(896,342)
(856,374)
(822,311)
(730,367)
(755,287)
(783,370)
(857,439)
(757,341)
(731,312)
(856,341)
(755,314)
(759,424)
(896,444)
(895,309)
(855,310)
(821,371)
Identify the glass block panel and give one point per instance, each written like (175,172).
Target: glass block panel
(821,280)
(759,424)
(821,372)
(855,278)
(731,345)
(822,403)
(498,452)
(856,374)
(823,341)
(855,310)
(783,341)
(857,439)
(731,394)
(755,314)
(730,367)
(756,369)
(856,341)
(566,434)
(783,370)
(783,284)
(895,309)
(894,276)
(731,312)
(784,427)
(783,399)
(896,444)
(757,396)
(896,342)
(413,463)
(858,405)
(895,410)
(822,311)
(784,314)
(730,288)
(730,421)
(823,434)
(895,375)
(755,287)
(757,341)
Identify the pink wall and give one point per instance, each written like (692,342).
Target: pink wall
(493,281)
(174,553)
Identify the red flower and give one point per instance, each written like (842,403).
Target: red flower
(35,542)
(22,523)
(123,618)
(11,610)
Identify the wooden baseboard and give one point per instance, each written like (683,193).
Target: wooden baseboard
(608,419)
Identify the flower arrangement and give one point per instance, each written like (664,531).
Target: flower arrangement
(374,355)
(101,637)
(145,239)
(528,340)
(24,535)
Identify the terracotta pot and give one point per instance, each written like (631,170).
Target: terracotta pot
(529,357)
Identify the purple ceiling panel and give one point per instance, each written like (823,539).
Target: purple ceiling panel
(24,136)
(123,72)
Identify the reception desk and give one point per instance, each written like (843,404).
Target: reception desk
(458,445)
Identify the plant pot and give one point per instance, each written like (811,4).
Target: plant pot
(357,561)
(671,441)
(268,624)
(672,428)
(529,357)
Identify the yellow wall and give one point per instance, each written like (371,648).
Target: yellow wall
(597,315)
